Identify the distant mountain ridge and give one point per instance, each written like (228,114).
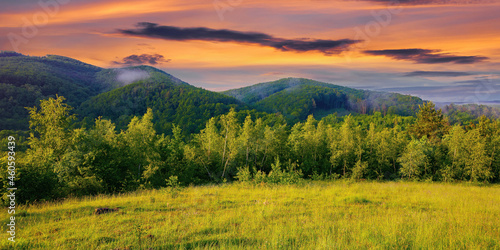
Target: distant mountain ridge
(24,80)
(121,93)
(296,98)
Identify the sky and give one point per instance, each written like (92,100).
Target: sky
(439,50)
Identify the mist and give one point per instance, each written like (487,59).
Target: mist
(128,76)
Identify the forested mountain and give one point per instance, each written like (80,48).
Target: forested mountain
(25,80)
(121,93)
(296,98)
(172,102)
(123,129)
(467,113)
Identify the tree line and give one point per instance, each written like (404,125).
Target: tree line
(65,161)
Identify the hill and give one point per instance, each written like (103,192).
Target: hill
(296,98)
(25,80)
(172,101)
(468,113)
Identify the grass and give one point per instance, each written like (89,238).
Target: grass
(315,215)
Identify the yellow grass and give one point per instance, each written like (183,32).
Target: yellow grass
(315,215)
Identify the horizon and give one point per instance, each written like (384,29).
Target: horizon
(439,104)
(450,55)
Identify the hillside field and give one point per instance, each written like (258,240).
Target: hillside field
(310,215)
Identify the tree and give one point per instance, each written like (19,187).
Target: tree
(207,149)
(414,158)
(247,138)
(140,140)
(468,156)
(91,164)
(383,152)
(229,133)
(49,141)
(50,128)
(454,142)
(476,158)
(343,146)
(430,122)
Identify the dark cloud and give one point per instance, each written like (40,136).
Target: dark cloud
(425,56)
(437,73)
(143,59)
(153,30)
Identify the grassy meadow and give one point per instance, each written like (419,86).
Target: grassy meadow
(312,215)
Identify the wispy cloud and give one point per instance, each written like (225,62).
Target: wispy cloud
(437,73)
(153,30)
(143,59)
(426,56)
(127,75)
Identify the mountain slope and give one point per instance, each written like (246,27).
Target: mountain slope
(25,80)
(171,102)
(296,98)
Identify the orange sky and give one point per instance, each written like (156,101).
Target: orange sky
(89,31)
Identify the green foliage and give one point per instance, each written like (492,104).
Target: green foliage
(27,80)
(50,138)
(468,156)
(297,98)
(173,103)
(415,158)
(430,122)
(343,146)
(243,174)
(469,113)
(277,175)
(359,170)
(173,185)
(64,160)
(289,175)
(159,132)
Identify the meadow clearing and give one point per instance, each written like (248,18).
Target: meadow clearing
(311,215)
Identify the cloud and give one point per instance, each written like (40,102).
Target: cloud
(153,30)
(272,74)
(128,76)
(425,56)
(143,59)
(437,73)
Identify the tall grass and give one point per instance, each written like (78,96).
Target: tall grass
(314,215)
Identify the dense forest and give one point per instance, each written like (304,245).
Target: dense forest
(467,113)
(62,160)
(25,80)
(297,98)
(185,105)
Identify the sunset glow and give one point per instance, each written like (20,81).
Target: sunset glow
(224,44)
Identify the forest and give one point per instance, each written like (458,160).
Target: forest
(61,160)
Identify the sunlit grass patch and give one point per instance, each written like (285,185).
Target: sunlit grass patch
(317,215)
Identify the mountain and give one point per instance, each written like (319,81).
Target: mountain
(172,102)
(25,80)
(121,93)
(467,113)
(296,98)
